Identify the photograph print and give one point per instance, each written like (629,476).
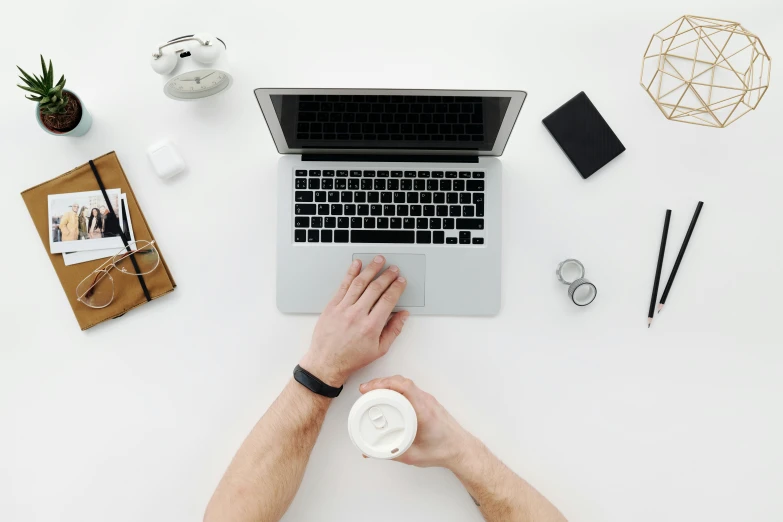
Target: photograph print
(82,221)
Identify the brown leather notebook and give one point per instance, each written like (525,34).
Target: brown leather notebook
(129,292)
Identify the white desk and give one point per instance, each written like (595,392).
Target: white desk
(137,419)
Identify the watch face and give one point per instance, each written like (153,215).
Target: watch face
(197,84)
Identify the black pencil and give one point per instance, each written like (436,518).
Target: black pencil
(658,268)
(679,256)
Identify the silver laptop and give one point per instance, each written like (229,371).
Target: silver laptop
(409,174)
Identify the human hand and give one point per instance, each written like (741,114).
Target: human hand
(357,326)
(440,440)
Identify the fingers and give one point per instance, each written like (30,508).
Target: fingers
(376,288)
(353,271)
(397,383)
(362,281)
(392,329)
(388,300)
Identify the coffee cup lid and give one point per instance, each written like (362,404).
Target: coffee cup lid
(382,424)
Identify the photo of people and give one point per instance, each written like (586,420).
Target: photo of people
(82,221)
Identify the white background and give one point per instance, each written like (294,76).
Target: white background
(136,420)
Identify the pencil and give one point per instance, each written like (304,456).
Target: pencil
(658,268)
(679,256)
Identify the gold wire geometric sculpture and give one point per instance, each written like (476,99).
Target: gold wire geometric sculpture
(705,71)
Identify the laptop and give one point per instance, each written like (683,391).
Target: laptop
(409,174)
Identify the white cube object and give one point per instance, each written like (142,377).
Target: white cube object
(165,160)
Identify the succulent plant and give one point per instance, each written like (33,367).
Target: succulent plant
(49,95)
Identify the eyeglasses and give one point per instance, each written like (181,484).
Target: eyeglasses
(138,258)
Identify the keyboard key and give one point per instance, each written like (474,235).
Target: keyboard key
(342,173)
(448,223)
(409,223)
(451,174)
(406,184)
(399,197)
(386,197)
(455,211)
(369,222)
(464,198)
(424,237)
(396,173)
(337,210)
(395,222)
(317,222)
(376,210)
(429,210)
(300,236)
(464,174)
(435,223)
(333,196)
(410,173)
(326,236)
(353,184)
(464,238)
(383,222)
(437,174)
(467,211)
(301,173)
(346,197)
(330,222)
(343,222)
(356,173)
(439,198)
(303,197)
(340,236)
(424,174)
(442,210)
(301,222)
(426,197)
(478,199)
(340,184)
(419,184)
(373,197)
(366,184)
(312,236)
(393,184)
(314,184)
(470,224)
(413,197)
(478,174)
(304,209)
(369,173)
(360,197)
(432,184)
(301,184)
(402,210)
(363,210)
(438,237)
(415,210)
(476,185)
(315,173)
(445,185)
(320,196)
(327,184)
(388,210)
(383,173)
(451,240)
(349,209)
(382,236)
(323,210)
(478,240)
(452,198)
(356,222)
(380,184)
(459,184)
(421,223)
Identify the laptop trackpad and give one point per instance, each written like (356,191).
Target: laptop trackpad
(413,267)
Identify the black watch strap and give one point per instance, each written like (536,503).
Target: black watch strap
(314,384)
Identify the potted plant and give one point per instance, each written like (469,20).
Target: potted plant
(58,111)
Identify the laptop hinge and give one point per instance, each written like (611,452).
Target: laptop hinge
(390,158)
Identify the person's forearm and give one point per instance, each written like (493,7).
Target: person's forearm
(500,494)
(263,478)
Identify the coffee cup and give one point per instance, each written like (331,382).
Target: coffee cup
(382,424)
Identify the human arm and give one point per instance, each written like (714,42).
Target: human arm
(500,494)
(356,328)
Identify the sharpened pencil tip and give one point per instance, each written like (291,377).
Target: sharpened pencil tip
(660,307)
(649,322)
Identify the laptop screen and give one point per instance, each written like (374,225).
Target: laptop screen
(390,121)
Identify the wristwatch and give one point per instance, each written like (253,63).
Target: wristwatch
(314,384)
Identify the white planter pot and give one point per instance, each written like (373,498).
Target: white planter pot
(80,130)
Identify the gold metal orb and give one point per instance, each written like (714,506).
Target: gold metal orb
(705,71)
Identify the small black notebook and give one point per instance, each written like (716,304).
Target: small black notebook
(584,135)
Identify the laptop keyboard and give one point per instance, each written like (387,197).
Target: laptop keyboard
(383,206)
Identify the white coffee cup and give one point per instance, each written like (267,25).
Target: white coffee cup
(382,424)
